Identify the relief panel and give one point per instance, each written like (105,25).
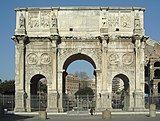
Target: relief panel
(45,19)
(121,60)
(32,58)
(113,20)
(33,19)
(53,20)
(21,21)
(45,58)
(127,59)
(113,59)
(125,20)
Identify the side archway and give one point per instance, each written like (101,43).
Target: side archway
(157,74)
(120,92)
(38,92)
(157,64)
(146,89)
(158,87)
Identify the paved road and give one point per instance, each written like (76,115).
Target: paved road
(81,118)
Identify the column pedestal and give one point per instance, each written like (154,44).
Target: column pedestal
(52,102)
(60,103)
(103,101)
(28,103)
(138,101)
(20,102)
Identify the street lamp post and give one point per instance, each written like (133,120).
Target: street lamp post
(39,95)
(149,82)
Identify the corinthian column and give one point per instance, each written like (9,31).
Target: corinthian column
(52,86)
(139,74)
(20,94)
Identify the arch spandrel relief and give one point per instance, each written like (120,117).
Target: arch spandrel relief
(93,53)
(45,58)
(127,59)
(32,58)
(114,59)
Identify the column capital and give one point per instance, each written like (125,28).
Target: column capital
(97,70)
(104,38)
(61,71)
(136,37)
(55,38)
(20,39)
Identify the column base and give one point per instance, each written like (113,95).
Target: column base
(20,102)
(139,101)
(52,110)
(29,110)
(60,110)
(140,110)
(103,101)
(19,110)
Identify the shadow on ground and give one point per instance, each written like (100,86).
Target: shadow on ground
(13,117)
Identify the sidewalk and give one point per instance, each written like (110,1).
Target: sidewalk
(129,117)
(79,113)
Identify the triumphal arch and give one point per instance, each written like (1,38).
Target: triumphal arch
(48,39)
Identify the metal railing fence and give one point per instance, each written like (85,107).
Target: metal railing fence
(71,102)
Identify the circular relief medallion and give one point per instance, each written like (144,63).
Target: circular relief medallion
(113,59)
(32,58)
(45,58)
(127,59)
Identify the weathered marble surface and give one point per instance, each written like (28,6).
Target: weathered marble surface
(110,38)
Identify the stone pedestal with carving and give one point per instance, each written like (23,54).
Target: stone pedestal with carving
(60,102)
(103,101)
(20,102)
(52,102)
(138,101)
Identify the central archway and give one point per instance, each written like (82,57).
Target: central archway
(72,101)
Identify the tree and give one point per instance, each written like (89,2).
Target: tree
(42,87)
(82,75)
(82,93)
(7,87)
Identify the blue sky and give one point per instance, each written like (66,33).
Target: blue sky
(7,26)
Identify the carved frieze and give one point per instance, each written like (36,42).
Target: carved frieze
(33,19)
(32,58)
(45,19)
(45,58)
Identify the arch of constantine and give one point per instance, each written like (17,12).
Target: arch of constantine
(112,39)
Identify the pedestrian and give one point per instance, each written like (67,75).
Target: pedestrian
(91,111)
